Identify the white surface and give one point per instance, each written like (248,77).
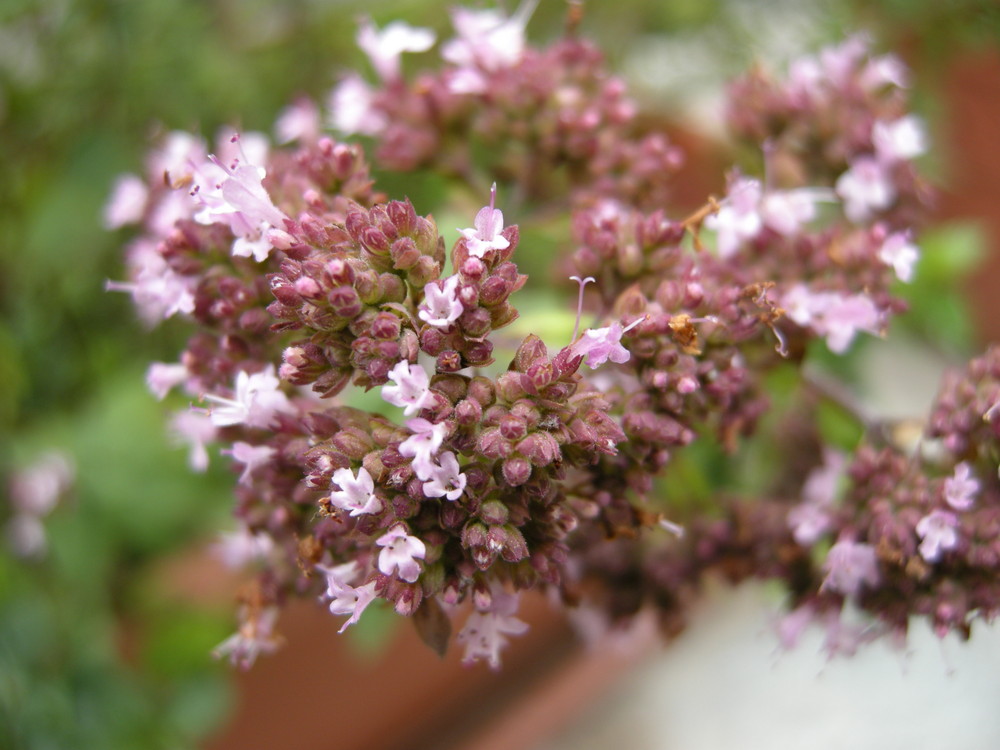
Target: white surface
(723,686)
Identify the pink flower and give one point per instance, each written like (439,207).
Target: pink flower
(599,345)
(486,234)
(961,488)
(352,108)
(487,40)
(128,202)
(239,548)
(441,306)
(813,518)
(346,599)
(384,48)
(255,636)
(900,139)
(866,189)
(157,291)
(252,457)
(423,445)
(258,399)
(356,493)
(738,219)
(300,121)
(937,530)
(849,566)
(786,211)
(161,378)
(195,429)
(897,251)
(831,314)
(400,553)
(411,389)
(446,479)
(484,634)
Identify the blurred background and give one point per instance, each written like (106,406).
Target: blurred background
(109,602)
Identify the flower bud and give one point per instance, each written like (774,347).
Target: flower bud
(482,597)
(452,515)
(344,301)
(386,326)
(494,512)
(512,427)
(481,389)
(540,448)
(402,215)
(473,268)
(478,353)
(494,291)
(340,272)
(426,270)
(404,253)
(516,471)
(509,386)
(493,445)
(476,322)
(474,535)
(449,361)
(353,443)
(375,241)
(508,541)
(307,287)
(391,288)
(468,412)
(432,340)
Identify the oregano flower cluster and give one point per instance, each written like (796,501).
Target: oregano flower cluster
(495,466)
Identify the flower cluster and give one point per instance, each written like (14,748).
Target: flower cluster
(496,465)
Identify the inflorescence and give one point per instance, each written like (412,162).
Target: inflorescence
(301,280)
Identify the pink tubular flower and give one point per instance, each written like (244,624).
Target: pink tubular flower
(352,108)
(256,636)
(423,445)
(239,548)
(487,40)
(441,306)
(161,378)
(599,345)
(356,493)
(194,429)
(900,139)
(897,251)
(400,553)
(157,290)
(346,599)
(447,480)
(484,634)
(866,189)
(961,488)
(833,315)
(127,203)
(252,457)
(257,401)
(384,48)
(849,566)
(738,219)
(411,389)
(938,531)
(486,234)
(300,121)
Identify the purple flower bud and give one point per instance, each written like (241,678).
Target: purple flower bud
(344,301)
(473,268)
(375,241)
(494,291)
(476,321)
(478,353)
(474,535)
(340,272)
(509,386)
(530,350)
(452,515)
(366,284)
(353,443)
(386,326)
(404,253)
(513,427)
(481,389)
(516,471)
(494,512)
(508,541)
(468,412)
(540,448)
(284,293)
(426,270)
(493,445)
(402,215)
(449,361)
(307,287)
(432,340)
(482,596)
(391,288)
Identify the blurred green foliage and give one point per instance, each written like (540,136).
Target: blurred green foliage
(93,652)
